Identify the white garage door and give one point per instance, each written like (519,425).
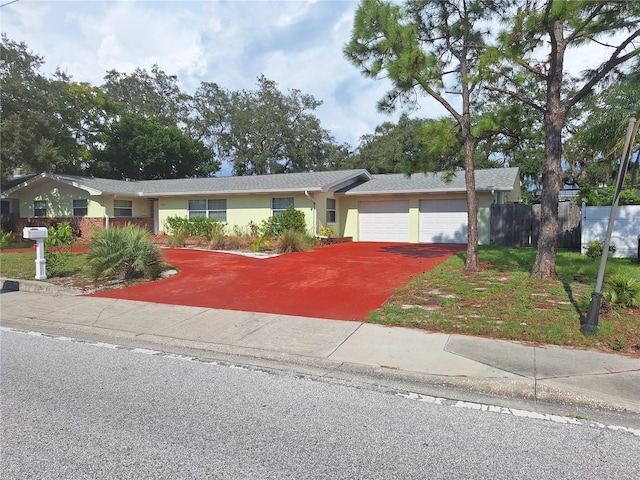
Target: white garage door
(383,221)
(443,221)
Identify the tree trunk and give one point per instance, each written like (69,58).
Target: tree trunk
(545,265)
(472,264)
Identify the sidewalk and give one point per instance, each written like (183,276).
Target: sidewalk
(486,366)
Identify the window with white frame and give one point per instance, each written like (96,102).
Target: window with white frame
(280,204)
(80,208)
(331,210)
(123,208)
(39,208)
(211,208)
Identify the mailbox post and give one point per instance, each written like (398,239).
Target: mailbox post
(38,234)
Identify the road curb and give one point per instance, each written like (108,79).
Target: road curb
(35,286)
(503,392)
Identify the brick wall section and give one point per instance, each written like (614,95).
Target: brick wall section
(82,226)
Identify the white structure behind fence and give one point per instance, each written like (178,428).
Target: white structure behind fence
(626,228)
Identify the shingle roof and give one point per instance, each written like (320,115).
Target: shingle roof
(285,182)
(349,182)
(9,184)
(95,186)
(486,180)
(102,185)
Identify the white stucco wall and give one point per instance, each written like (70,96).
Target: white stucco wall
(626,228)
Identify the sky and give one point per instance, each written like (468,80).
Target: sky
(296,43)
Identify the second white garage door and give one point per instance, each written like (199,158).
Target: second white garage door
(383,221)
(443,221)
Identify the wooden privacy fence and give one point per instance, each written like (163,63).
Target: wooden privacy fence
(517,225)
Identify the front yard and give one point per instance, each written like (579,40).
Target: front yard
(504,302)
(73,274)
(500,302)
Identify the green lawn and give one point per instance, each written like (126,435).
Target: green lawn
(504,302)
(500,302)
(18,244)
(22,265)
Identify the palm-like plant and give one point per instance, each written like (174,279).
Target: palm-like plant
(624,291)
(123,253)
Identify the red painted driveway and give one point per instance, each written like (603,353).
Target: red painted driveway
(342,282)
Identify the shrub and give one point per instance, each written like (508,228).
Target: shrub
(234,242)
(175,224)
(204,227)
(290,219)
(60,236)
(326,232)
(6,239)
(178,237)
(254,229)
(217,241)
(217,234)
(604,196)
(623,291)
(291,241)
(193,227)
(260,244)
(123,253)
(594,249)
(58,244)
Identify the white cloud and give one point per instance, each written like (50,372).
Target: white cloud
(109,51)
(298,11)
(349,100)
(298,44)
(295,43)
(127,35)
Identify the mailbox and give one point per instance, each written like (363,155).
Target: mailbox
(35,233)
(38,234)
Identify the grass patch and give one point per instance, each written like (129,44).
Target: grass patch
(74,273)
(504,302)
(22,265)
(17,244)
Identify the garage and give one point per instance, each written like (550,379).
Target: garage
(383,221)
(443,221)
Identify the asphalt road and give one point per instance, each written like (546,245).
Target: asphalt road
(77,410)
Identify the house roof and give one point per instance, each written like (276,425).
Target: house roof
(9,184)
(94,186)
(492,179)
(285,182)
(347,182)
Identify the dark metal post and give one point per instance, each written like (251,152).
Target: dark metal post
(590,325)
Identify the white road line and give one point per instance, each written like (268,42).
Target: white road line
(408,395)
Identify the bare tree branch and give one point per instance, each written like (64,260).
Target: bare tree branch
(605,68)
(440,99)
(517,96)
(578,31)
